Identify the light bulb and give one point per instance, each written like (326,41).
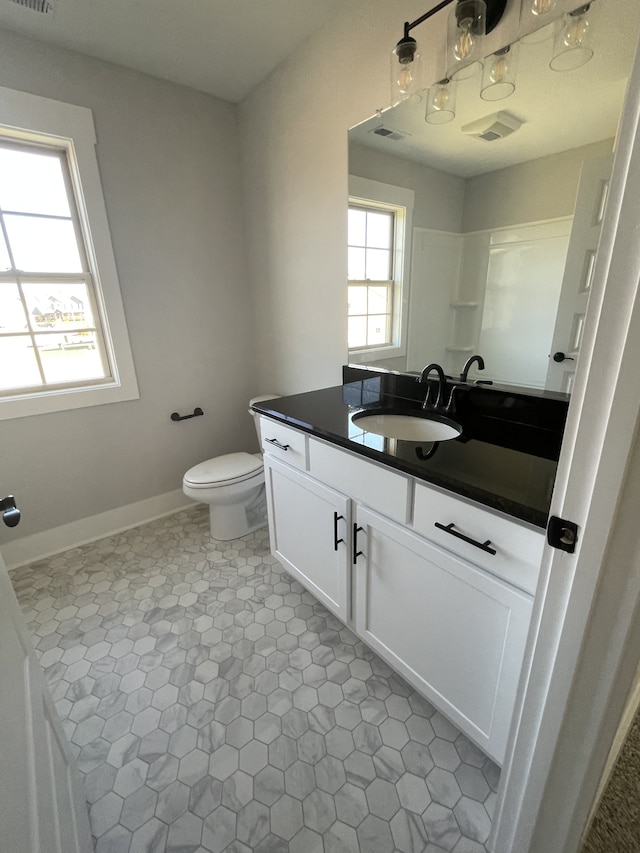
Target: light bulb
(542,7)
(441,102)
(576,32)
(440,98)
(465,43)
(499,70)
(405,79)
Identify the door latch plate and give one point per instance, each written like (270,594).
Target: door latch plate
(562,534)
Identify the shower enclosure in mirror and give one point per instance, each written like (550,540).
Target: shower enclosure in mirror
(497,215)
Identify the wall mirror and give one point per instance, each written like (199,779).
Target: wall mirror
(498,214)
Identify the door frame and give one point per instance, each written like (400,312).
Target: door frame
(584,646)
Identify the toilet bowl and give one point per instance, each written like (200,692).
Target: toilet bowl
(233,487)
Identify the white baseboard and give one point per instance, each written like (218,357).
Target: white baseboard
(20,552)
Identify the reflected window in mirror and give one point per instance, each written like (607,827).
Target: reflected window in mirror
(378,254)
(370,273)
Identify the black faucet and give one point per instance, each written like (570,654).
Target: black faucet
(442,382)
(469,364)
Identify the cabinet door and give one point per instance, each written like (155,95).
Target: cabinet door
(309,526)
(454,632)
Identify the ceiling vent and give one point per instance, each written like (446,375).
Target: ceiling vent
(44,7)
(387,133)
(495,126)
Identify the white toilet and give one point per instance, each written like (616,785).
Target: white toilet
(233,486)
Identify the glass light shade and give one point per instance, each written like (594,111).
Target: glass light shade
(467,27)
(441,102)
(406,70)
(572,46)
(499,75)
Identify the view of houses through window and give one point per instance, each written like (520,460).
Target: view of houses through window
(50,332)
(370,274)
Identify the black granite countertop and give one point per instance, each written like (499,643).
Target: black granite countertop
(506,464)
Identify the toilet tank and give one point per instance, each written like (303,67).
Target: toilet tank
(256,417)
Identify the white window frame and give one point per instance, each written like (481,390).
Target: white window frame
(30,118)
(365,192)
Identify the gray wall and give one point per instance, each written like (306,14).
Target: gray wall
(439,197)
(529,192)
(168,158)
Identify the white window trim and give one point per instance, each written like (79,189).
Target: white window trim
(24,117)
(365,190)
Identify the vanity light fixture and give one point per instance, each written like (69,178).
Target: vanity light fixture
(571,48)
(471,19)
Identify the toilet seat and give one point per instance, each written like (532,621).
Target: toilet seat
(224,470)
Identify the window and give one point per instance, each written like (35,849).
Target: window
(50,331)
(63,340)
(370,273)
(379,223)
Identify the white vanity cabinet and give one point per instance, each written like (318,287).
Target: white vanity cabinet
(451,617)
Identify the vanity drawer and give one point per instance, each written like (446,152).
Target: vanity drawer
(375,486)
(518,548)
(285,443)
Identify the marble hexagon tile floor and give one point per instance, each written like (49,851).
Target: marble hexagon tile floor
(214,705)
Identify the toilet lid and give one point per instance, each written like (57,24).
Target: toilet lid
(232,467)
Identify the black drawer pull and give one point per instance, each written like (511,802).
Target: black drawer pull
(276,443)
(484,546)
(336,541)
(356,553)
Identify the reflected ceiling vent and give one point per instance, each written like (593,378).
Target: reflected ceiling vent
(387,133)
(42,6)
(495,126)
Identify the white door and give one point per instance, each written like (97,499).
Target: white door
(41,805)
(578,272)
(309,526)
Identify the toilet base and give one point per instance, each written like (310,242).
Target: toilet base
(232,521)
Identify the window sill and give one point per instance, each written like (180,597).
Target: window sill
(47,402)
(378,352)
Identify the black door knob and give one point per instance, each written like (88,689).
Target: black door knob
(560,356)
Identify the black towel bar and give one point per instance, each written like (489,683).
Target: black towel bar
(176,417)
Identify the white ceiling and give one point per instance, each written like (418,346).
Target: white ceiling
(559,110)
(224,47)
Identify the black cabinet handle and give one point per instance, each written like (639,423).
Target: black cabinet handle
(336,541)
(276,443)
(484,546)
(560,357)
(356,553)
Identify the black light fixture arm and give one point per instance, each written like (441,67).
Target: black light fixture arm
(495,11)
(409,26)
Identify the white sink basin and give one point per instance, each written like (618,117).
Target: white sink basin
(408,427)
